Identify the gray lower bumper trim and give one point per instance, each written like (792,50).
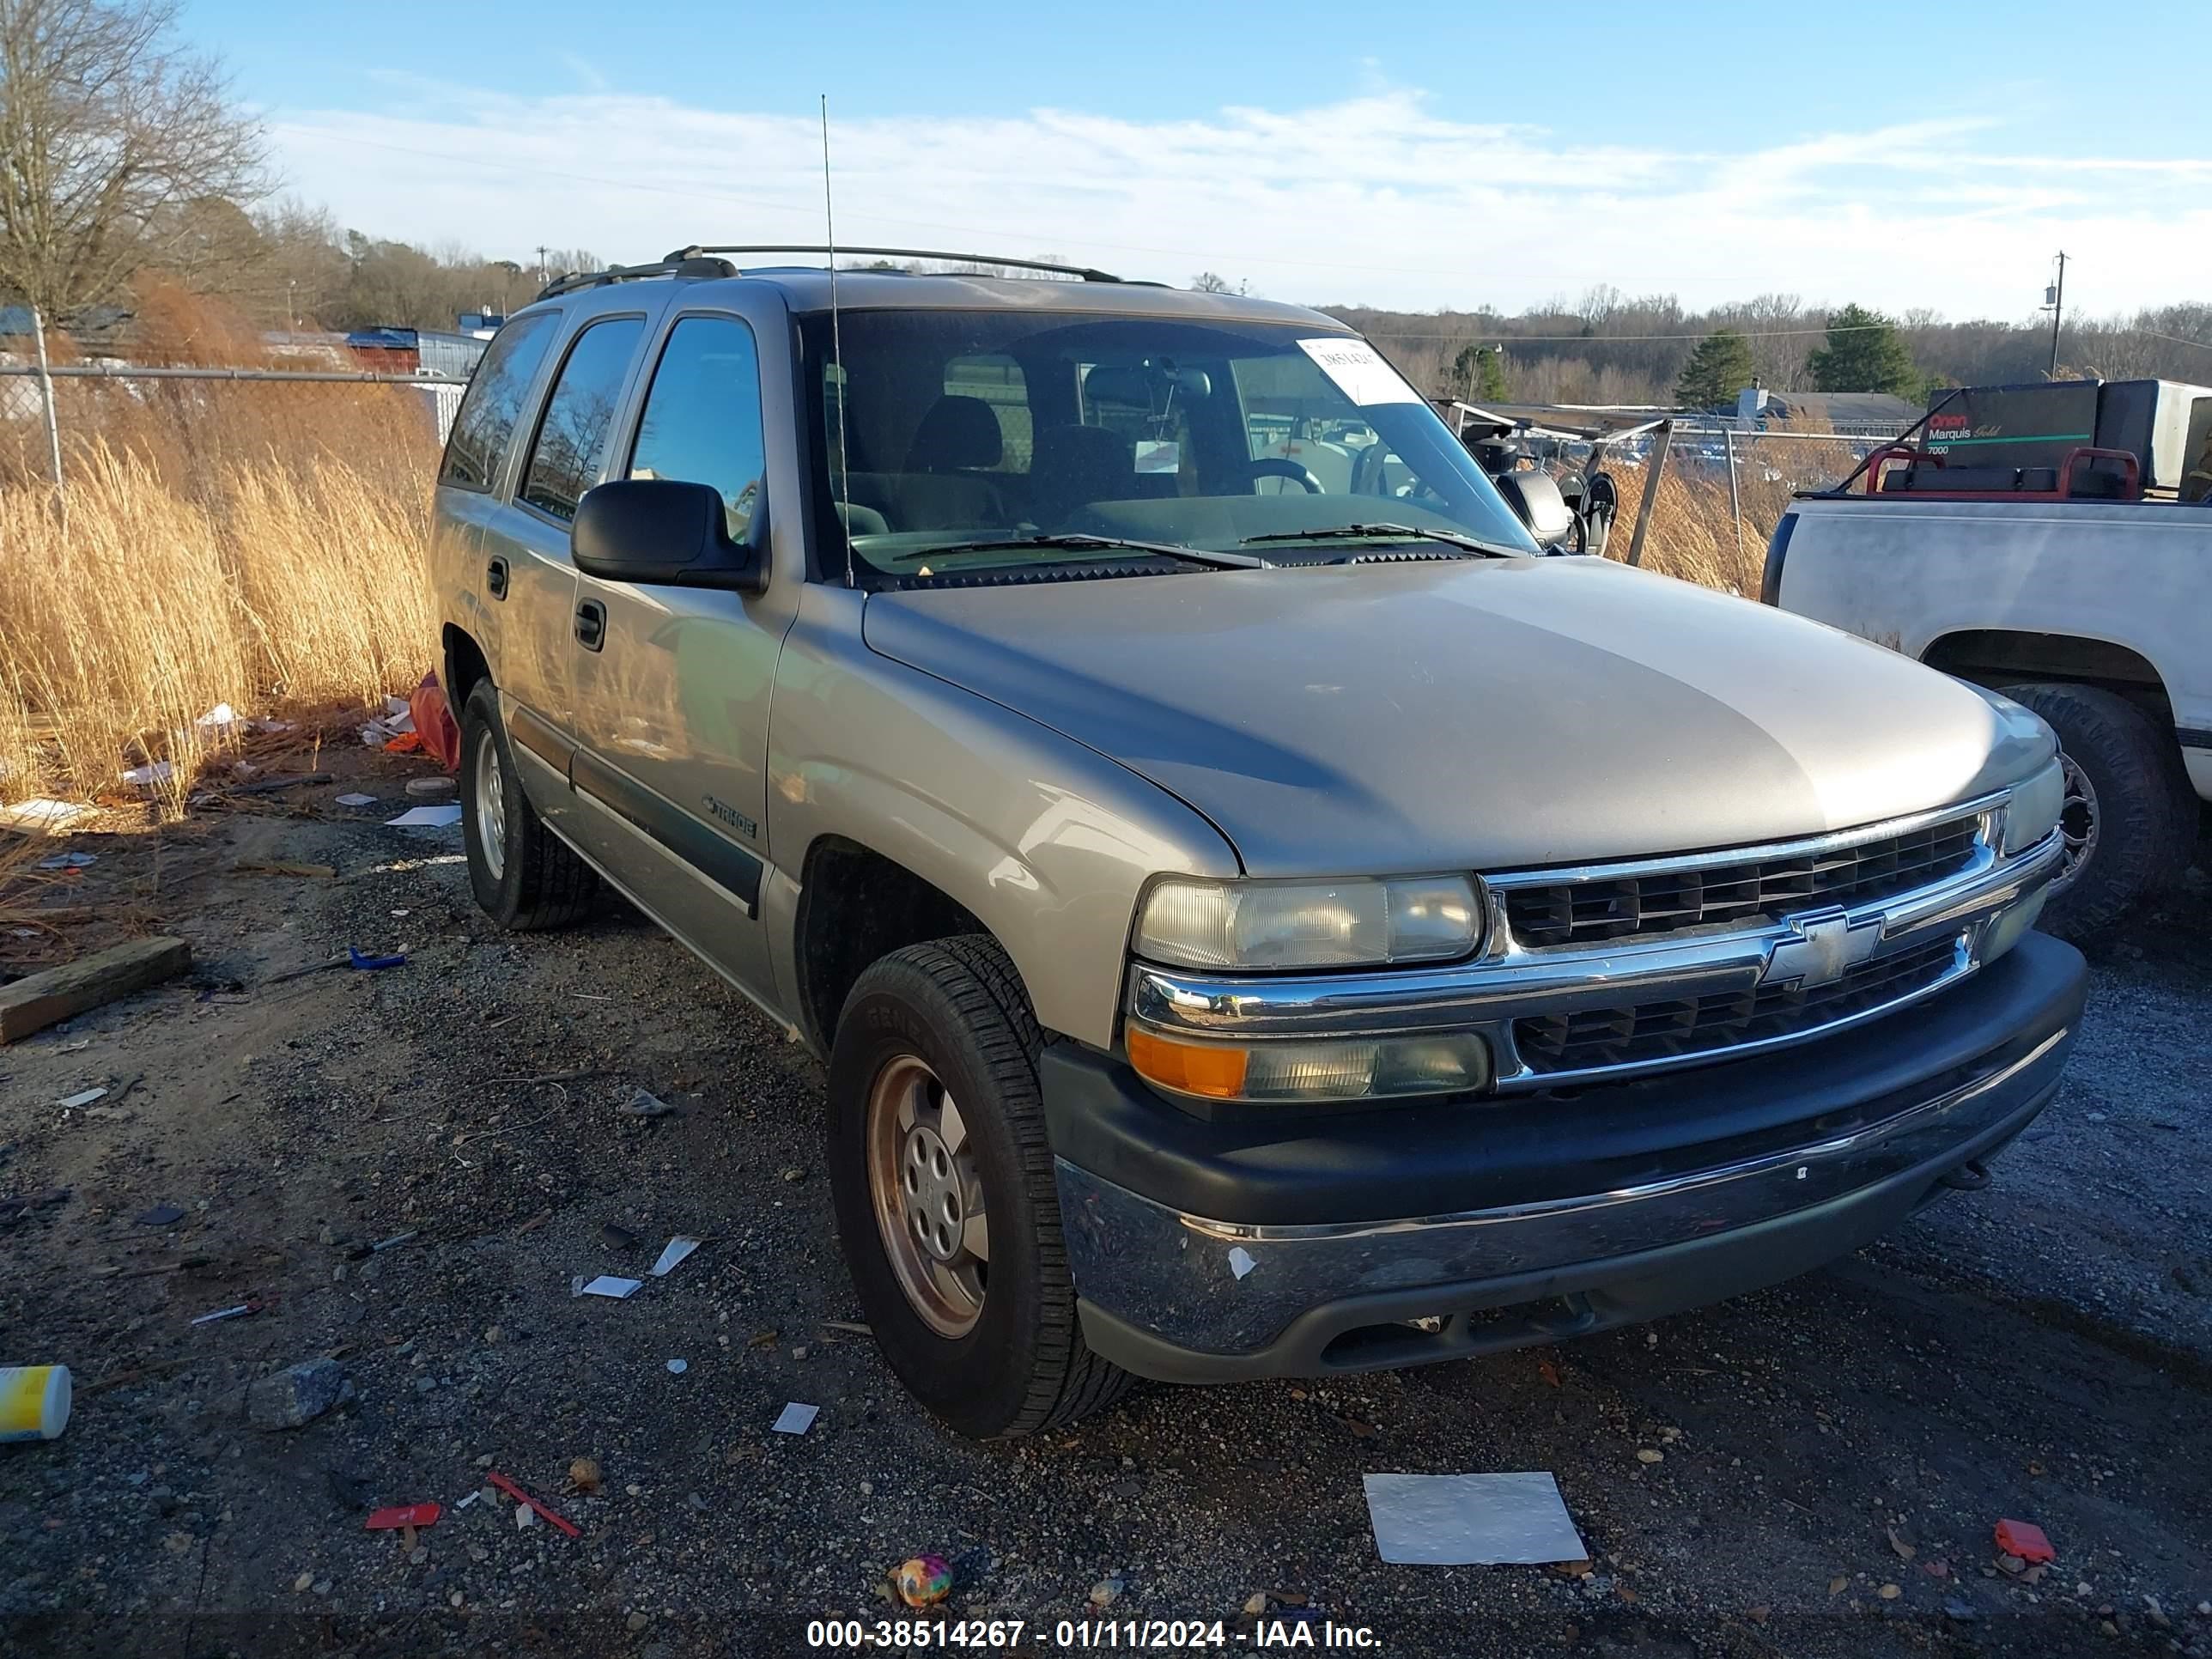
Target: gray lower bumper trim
(1223,1293)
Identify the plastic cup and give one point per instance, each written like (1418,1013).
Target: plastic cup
(34,1403)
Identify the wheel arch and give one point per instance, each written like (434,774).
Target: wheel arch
(465,665)
(856,906)
(1998,657)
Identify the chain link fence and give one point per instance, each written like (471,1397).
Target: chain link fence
(80,388)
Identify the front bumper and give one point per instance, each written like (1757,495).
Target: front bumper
(1287,1244)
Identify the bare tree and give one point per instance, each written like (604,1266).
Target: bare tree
(1210,281)
(115,144)
(1597,305)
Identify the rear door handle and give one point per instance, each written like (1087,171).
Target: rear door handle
(592,624)
(495,577)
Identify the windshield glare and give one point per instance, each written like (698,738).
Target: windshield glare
(963,426)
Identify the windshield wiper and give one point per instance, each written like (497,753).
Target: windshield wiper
(1403,533)
(1077,543)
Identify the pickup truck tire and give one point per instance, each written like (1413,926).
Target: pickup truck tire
(2139,808)
(949,1021)
(525,877)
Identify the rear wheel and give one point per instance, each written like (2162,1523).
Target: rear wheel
(945,1202)
(2129,815)
(523,875)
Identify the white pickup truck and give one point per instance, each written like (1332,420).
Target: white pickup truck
(2097,614)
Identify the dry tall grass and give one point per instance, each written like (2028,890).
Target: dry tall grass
(1696,536)
(259,544)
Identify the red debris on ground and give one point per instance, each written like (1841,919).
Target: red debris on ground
(522,1497)
(405,1515)
(434,724)
(2024,1540)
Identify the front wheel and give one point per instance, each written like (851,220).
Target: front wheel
(943,1183)
(2130,816)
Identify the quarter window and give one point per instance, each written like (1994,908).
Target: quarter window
(703,417)
(572,439)
(492,406)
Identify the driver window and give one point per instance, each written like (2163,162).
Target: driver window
(702,416)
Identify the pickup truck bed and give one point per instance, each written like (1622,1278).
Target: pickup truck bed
(2097,614)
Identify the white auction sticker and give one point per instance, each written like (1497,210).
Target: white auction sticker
(1359,371)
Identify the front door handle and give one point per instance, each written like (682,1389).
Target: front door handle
(592,624)
(495,577)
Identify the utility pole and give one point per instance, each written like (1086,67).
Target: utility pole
(2054,300)
(541,278)
(53,422)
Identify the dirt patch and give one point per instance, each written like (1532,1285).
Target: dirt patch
(2034,1351)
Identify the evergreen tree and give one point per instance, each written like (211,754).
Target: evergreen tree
(1864,353)
(1720,368)
(1480,372)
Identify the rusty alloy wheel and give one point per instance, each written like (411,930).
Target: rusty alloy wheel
(928,1195)
(2077,824)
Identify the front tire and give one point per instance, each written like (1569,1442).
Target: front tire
(524,876)
(2130,816)
(946,1206)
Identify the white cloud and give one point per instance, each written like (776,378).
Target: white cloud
(1374,198)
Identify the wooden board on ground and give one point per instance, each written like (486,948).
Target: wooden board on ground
(39,1000)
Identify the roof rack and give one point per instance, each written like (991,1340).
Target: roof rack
(1086,272)
(685,264)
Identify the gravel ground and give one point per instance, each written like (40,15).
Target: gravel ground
(1814,1470)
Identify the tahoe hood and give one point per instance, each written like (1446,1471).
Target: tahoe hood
(1484,714)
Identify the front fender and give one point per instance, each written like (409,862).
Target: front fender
(1045,842)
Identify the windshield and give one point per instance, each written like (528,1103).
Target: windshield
(973,440)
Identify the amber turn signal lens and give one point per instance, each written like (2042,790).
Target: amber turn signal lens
(1191,1068)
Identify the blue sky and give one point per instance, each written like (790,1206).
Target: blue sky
(1411,153)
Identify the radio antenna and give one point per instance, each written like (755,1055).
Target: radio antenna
(836,345)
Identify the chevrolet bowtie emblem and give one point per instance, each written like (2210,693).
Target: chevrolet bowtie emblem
(1825,947)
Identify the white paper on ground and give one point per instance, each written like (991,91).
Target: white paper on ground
(608,1285)
(1360,372)
(1471,1520)
(219,718)
(40,813)
(672,1256)
(145,777)
(357,801)
(795,1418)
(84,1098)
(427,818)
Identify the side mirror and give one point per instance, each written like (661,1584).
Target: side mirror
(664,531)
(1535,498)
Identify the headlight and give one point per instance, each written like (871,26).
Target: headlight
(2032,811)
(1317,1071)
(1308,924)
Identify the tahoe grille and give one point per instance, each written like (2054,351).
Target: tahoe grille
(1648,1031)
(1673,901)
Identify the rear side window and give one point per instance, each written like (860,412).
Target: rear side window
(572,439)
(492,406)
(702,417)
